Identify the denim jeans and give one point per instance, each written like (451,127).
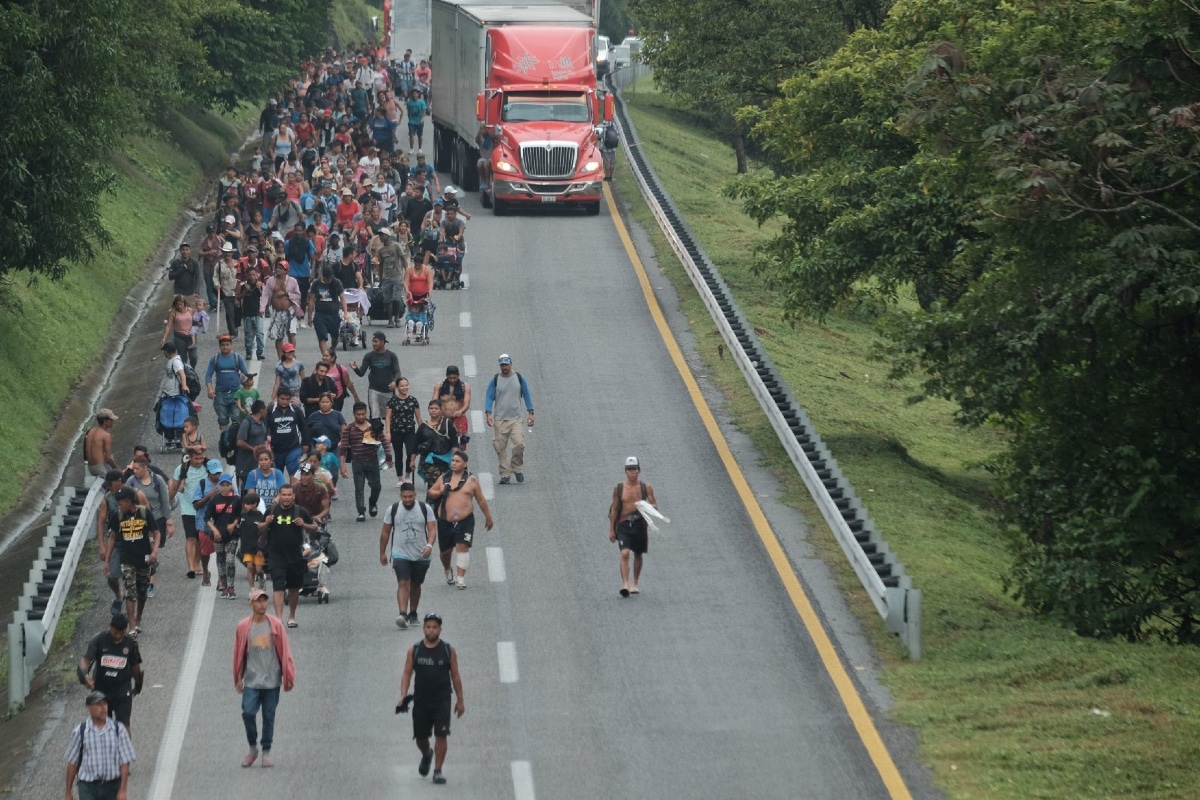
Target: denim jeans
(252,701)
(252,329)
(288,460)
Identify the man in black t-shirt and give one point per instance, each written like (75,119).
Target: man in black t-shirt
(326,298)
(285,525)
(133,531)
(435,665)
(112,664)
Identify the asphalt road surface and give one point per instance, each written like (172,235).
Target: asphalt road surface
(705,686)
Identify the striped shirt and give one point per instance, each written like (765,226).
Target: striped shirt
(103,751)
(353,448)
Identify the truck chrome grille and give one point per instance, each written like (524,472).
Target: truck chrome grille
(548,160)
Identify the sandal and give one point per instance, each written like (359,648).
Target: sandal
(291,623)
(207,579)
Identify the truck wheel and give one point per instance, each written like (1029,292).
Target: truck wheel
(499,207)
(470,178)
(592,209)
(457,161)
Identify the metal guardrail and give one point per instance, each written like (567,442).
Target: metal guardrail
(882,575)
(31,632)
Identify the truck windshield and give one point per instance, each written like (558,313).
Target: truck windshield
(546,108)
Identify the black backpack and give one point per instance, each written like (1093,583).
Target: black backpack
(193,381)
(612,137)
(228,443)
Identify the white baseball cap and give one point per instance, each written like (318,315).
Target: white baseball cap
(632,462)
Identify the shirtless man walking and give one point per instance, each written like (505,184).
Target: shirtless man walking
(458,489)
(97,444)
(626,526)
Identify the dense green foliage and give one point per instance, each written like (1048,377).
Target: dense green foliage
(76,76)
(1031,171)
(721,55)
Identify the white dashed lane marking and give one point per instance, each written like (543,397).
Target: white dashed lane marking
(522,774)
(478,421)
(464,319)
(469,366)
(487,484)
(495,560)
(507,653)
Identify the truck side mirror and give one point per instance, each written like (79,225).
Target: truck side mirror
(610,107)
(481,107)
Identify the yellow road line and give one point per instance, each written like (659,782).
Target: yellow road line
(848,692)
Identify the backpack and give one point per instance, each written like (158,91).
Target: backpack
(612,137)
(193,381)
(392,519)
(227,444)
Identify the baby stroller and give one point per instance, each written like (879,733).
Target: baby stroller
(447,269)
(169,414)
(353,332)
(418,320)
(320,554)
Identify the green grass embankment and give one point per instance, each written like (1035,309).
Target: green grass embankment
(52,332)
(1006,705)
(352,21)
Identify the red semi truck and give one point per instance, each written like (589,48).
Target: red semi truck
(525,73)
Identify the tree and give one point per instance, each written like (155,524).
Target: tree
(78,75)
(1035,169)
(724,54)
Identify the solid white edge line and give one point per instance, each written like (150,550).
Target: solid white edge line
(506,652)
(469,366)
(487,485)
(478,421)
(522,775)
(495,560)
(464,319)
(163,785)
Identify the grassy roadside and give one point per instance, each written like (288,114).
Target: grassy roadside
(50,333)
(61,327)
(352,20)
(1006,706)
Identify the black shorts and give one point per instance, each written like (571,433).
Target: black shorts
(413,571)
(189,526)
(287,576)
(452,533)
(631,535)
(431,718)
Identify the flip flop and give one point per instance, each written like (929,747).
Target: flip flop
(624,592)
(293,624)
(634,590)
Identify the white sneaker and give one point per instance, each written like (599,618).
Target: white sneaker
(460,582)
(402,622)
(449,578)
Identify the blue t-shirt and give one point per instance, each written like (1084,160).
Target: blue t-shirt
(267,486)
(381,130)
(299,253)
(416,110)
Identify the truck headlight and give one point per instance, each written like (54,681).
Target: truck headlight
(591,166)
(504,166)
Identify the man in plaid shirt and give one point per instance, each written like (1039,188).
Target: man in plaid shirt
(99,754)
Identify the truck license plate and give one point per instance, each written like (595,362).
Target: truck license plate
(549,198)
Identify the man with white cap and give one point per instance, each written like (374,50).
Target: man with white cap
(626,526)
(507,397)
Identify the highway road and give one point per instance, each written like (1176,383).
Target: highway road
(707,685)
